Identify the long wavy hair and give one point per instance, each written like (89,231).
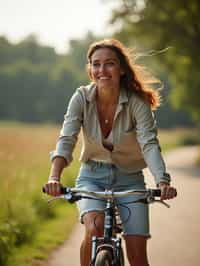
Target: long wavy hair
(135,77)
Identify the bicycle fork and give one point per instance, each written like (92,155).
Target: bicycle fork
(107,241)
(114,245)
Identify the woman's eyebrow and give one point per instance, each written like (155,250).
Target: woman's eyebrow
(107,59)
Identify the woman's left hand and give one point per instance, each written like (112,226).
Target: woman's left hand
(167,191)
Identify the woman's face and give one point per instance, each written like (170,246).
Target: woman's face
(105,69)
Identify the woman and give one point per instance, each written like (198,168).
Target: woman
(119,141)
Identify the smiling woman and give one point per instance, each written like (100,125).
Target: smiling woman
(120,140)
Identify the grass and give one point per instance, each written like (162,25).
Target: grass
(50,234)
(29,229)
(173,138)
(27,226)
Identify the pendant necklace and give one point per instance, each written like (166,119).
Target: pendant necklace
(106,121)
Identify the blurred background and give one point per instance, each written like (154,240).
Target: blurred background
(43,47)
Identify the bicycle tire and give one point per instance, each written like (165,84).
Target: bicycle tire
(121,258)
(104,258)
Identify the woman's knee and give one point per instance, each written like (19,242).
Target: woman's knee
(93,222)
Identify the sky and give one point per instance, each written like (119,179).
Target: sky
(55,22)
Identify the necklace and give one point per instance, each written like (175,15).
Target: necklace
(106,121)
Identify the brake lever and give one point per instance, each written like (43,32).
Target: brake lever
(162,202)
(152,199)
(49,201)
(68,197)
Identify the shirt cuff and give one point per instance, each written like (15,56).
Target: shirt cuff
(54,154)
(164,178)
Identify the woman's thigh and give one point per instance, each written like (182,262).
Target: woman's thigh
(134,215)
(91,178)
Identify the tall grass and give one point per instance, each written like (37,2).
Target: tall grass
(24,169)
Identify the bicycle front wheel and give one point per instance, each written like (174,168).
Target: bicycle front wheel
(104,258)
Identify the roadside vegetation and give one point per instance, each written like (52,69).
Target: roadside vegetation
(29,228)
(172,138)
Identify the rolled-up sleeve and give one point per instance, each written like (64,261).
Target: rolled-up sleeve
(146,132)
(70,129)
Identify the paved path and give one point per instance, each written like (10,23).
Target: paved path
(175,231)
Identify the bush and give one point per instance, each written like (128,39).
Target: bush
(6,242)
(21,217)
(42,210)
(17,227)
(190,140)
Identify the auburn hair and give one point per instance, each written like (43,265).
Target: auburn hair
(135,77)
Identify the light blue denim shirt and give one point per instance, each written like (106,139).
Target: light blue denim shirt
(134,133)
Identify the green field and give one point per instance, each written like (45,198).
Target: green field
(29,228)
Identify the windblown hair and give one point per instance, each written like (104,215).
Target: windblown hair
(135,77)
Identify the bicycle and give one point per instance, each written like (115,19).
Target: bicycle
(107,250)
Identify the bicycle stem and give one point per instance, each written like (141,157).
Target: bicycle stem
(108,220)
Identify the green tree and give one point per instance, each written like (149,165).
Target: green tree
(36,83)
(77,55)
(28,49)
(160,24)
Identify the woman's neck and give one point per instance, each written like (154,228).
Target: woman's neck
(107,96)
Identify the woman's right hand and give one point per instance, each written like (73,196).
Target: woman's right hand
(53,187)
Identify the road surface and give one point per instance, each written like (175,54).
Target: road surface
(175,231)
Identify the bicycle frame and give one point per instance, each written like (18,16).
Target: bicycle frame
(109,240)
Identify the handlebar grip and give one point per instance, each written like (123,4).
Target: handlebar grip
(62,190)
(156,192)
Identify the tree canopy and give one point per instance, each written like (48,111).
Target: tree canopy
(159,24)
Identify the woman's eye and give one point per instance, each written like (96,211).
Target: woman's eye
(95,64)
(110,63)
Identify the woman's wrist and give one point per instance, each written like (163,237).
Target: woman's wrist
(54,178)
(163,183)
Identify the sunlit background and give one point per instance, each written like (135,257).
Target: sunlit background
(43,46)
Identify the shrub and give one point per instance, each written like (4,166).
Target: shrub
(189,140)
(42,210)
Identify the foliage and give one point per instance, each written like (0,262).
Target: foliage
(23,170)
(26,50)
(36,83)
(173,24)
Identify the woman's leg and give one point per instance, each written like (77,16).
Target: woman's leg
(136,247)
(93,222)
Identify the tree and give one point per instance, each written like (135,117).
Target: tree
(160,24)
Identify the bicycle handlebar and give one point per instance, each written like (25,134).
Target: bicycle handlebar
(109,193)
(73,194)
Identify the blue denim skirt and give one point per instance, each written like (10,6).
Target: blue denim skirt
(98,176)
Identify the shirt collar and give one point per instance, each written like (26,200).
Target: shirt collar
(91,93)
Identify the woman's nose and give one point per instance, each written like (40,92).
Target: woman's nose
(102,68)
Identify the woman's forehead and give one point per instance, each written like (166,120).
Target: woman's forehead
(105,54)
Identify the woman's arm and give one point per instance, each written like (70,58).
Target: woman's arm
(62,155)
(146,130)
